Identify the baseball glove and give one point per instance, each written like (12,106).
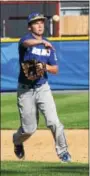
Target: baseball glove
(33,69)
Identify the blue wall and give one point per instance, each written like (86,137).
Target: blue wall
(73,61)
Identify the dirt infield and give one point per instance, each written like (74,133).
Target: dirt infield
(40,147)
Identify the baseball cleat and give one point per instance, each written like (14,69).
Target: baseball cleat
(65,157)
(19,151)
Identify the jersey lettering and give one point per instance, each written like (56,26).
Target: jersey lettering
(40,52)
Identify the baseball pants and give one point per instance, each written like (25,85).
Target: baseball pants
(30,102)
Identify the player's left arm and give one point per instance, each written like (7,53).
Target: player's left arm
(52,69)
(52,66)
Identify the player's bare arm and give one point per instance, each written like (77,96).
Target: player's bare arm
(49,68)
(52,69)
(33,42)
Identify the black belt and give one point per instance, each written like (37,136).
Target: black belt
(25,86)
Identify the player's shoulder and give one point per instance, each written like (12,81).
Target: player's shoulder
(25,37)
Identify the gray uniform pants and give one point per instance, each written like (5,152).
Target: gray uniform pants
(30,101)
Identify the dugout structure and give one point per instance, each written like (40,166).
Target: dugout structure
(14,16)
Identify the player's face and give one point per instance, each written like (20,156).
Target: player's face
(38,27)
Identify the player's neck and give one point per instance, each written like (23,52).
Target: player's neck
(38,37)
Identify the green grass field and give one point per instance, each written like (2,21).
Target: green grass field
(43,169)
(72,110)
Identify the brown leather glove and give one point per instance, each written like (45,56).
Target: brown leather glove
(33,69)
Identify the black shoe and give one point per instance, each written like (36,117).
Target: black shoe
(19,151)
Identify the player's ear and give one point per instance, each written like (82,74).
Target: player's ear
(29,27)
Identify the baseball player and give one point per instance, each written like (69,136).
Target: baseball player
(34,92)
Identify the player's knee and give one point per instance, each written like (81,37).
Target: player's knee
(29,130)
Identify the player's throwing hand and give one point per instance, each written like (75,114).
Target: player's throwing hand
(47,44)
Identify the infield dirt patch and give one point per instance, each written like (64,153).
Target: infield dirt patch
(41,147)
